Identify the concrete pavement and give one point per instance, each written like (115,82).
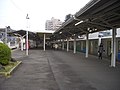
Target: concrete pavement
(60,70)
(84,73)
(33,74)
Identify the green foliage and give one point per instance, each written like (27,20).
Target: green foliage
(5,54)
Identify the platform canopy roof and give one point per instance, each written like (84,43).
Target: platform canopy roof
(47,33)
(95,16)
(22,33)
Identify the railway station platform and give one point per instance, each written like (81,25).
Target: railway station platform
(61,70)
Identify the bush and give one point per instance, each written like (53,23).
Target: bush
(5,54)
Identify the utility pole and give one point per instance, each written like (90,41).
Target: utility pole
(27,17)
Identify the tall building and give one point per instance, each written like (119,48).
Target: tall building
(53,24)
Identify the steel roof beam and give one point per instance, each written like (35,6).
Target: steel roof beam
(108,24)
(106,5)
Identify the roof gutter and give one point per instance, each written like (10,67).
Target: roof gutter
(90,4)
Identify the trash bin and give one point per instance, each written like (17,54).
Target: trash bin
(119,56)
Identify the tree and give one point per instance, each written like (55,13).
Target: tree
(5,54)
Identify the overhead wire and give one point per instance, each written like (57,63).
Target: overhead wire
(17,7)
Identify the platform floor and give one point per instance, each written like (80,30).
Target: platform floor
(61,70)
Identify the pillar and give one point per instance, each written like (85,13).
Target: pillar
(74,44)
(113,48)
(87,45)
(99,41)
(44,42)
(27,43)
(67,44)
(21,42)
(62,44)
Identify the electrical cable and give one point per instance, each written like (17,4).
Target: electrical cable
(17,7)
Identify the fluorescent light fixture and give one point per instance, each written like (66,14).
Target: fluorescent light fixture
(73,35)
(60,33)
(79,22)
(79,36)
(95,29)
(88,29)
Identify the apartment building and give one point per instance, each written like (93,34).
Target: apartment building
(53,24)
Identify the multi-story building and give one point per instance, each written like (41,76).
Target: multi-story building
(53,24)
(6,38)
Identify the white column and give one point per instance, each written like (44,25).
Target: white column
(74,44)
(67,44)
(99,41)
(44,43)
(62,44)
(113,48)
(21,41)
(27,42)
(87,45)
(27,18)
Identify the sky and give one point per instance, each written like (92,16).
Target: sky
(13,12)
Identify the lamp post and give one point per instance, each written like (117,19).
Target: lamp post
(27,35)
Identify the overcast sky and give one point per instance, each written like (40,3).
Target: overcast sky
(13,12)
